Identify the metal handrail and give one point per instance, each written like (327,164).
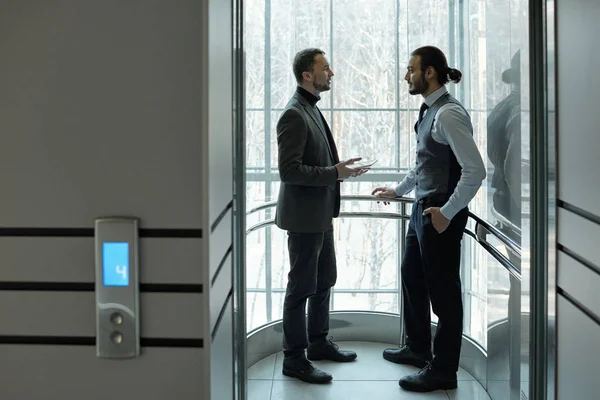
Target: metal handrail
(273,203)
(514,246)
(503,260)
(337,291)
(504,221)
(510,243)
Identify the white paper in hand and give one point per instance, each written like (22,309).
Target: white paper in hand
(362,164)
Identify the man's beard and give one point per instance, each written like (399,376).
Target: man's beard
(321,87)
(420,88)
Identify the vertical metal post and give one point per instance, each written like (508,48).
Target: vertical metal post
(399,130)
(463,53)
(539,200)
(267,124)
(514,337)
(550,138)
(399,279)
(330,113)
(452,56)
(239,202)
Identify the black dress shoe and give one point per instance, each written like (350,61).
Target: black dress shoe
(429,379)
(303,369)
(327,350)
(405,355)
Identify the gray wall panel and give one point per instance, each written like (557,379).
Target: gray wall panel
(31,259)
(578,118)
(220,103)
(579,235)
(219,291)
(578,353)
(114,108)
(578,143)
(74,373)
(163,315)
(221,359)
(100,112)
(580,282)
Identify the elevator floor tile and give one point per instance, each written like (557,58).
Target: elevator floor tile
(370,376)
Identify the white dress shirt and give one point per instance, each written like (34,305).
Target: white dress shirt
(452,126)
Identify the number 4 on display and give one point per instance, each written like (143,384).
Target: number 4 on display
(122,270)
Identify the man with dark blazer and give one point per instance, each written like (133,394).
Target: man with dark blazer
(309,199)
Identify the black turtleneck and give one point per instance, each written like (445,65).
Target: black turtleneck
(312,99)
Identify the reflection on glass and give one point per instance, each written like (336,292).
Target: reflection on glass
(504,152)
(508,152)
(501,293)
(474,294)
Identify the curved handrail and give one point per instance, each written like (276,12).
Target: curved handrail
(503,260)
(260,225)
(273,203)
(261,207)
(514,246)
(504,221)
(510,243)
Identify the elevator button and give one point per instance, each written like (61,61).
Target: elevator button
(117,337)
(116,319)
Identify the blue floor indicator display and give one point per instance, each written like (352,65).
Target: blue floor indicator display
(115,263)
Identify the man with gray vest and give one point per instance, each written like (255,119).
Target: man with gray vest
(447,174)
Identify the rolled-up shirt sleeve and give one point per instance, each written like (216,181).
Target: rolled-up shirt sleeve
(453,126)
(407,184)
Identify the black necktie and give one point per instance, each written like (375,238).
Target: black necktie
(421,112)
(424,107)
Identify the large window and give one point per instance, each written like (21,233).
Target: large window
(371,114)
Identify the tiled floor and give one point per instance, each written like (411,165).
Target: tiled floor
(369,377)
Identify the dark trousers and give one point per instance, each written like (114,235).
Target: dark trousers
(313,272)
(431,273)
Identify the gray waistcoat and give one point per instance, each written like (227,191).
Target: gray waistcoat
(437,171)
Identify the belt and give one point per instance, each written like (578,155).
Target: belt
(436,198)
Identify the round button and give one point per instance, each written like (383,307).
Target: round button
(116,318)
(117,337)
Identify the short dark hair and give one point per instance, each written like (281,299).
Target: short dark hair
(433,57)
(304,61)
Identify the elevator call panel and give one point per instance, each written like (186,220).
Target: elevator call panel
(117,288)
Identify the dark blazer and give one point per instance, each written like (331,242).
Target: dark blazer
(309,195)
